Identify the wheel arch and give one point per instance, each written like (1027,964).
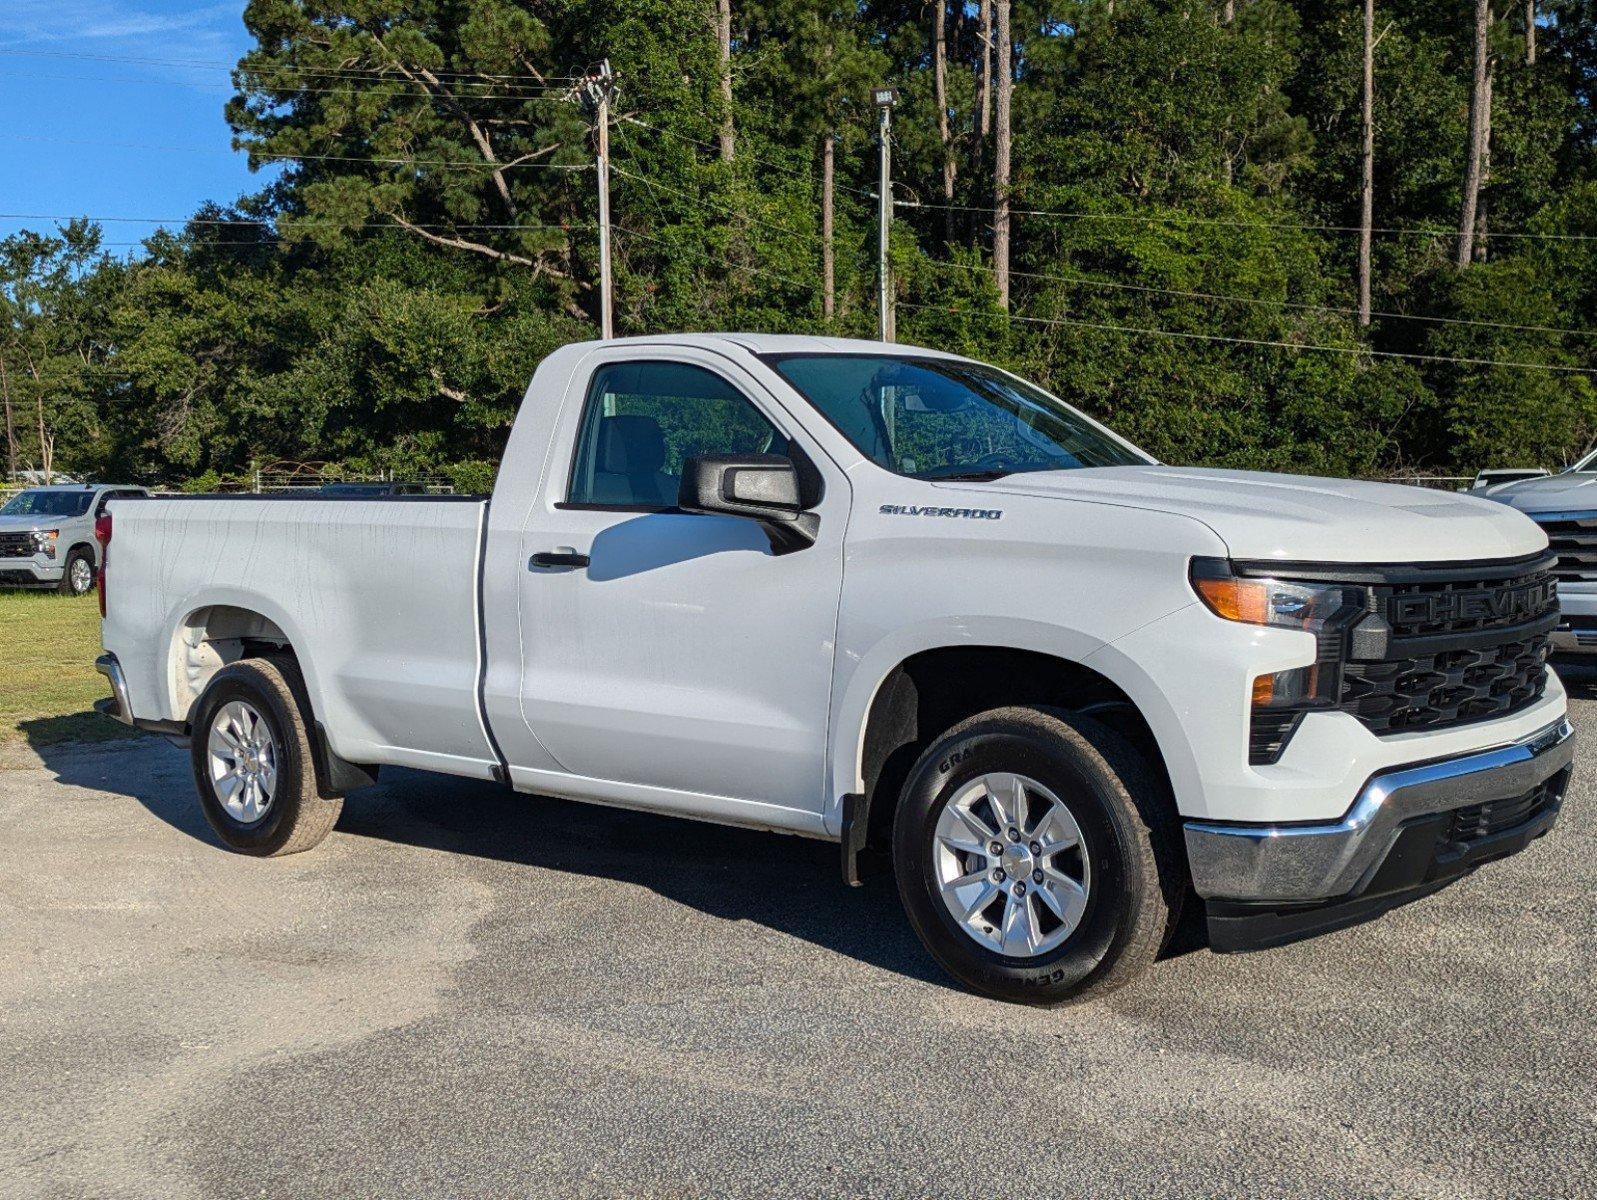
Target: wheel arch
(919,694)
(209,633)
(210,636)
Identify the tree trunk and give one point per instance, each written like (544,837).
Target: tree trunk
(1005,78)
(723,38)
(828,279)
(1367,160)
(46,439)
(1479,115)
(46,442)
(11,429)
(984,84)
(1530,33)
(1486,178)
(1228,12)
(940,91)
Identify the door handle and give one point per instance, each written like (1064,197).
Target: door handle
(561,556)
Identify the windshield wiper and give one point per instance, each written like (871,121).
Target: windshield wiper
(970,476)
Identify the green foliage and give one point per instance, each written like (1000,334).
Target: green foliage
(383,304)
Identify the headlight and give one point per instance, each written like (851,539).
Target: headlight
(1263,601)
(44,541)
(1325,610)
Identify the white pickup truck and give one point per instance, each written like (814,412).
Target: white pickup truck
(900,600)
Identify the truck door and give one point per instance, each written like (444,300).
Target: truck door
(669,650)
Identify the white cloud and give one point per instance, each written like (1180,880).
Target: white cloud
(171,30)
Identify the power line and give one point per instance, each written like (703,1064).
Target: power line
(714,258)
(270,239)
(417,90)
(743,156)
(1078,280)
(1208,296)
(296,220)
(349,158)
(1358,351)
(660,187)
(238,65)
(1418,231)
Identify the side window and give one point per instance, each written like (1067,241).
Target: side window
(643,420)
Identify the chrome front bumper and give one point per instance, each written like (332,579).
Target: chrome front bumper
(1305,863)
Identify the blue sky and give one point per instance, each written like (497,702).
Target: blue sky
(78,135)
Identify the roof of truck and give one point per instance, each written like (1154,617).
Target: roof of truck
(774,343)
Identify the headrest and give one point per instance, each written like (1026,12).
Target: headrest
(630,445)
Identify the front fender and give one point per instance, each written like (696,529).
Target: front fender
(857,691)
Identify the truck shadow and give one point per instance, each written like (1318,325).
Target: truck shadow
(788,884)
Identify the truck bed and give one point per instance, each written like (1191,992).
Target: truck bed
(379,596)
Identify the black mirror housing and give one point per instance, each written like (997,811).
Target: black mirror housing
(762,487)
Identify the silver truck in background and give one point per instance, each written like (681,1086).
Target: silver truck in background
(47,535)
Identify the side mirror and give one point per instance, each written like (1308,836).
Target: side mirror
(763,487)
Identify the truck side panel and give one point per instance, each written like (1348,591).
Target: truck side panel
(378,599)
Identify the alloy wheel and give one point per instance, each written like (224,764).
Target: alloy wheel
(1010,864)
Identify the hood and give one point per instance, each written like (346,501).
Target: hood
(1575,491)
(26,524)
(1299,518)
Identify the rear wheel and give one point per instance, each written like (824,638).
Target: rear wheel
(253,762)
(1037,856)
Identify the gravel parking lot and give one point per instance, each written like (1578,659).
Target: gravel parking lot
(466,992)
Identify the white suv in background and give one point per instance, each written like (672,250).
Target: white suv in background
(47,535)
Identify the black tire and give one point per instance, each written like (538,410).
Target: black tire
(66,586)
(1128,827)
(299,815)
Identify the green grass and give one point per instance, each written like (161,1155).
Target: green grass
(48,684)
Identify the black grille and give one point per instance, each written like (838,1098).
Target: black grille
(1485,820)
(1574,540)
(16,545)
(1450,688)
(1454,650)
(1428,607)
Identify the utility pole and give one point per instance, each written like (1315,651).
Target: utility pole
(596,92)
(885,98)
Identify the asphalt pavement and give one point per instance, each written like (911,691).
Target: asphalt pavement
(465,992)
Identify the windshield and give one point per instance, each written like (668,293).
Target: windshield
(47,504)
(939,418)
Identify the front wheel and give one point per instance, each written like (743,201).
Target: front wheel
(1037,856)
(253,763)
(78,577)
